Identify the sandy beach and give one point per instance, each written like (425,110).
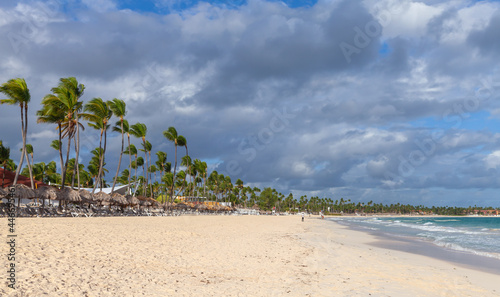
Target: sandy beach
(222,256)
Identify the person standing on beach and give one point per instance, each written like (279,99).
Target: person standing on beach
(302,217)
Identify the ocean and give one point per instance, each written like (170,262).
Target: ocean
(479,236)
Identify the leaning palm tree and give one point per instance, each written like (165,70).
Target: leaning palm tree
(99,115)
(140,130)
(118,107)
(172,135)
(17,92)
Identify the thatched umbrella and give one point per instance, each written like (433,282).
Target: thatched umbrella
(142,198)
(144,203)
(68,194)
(201,207)
(86,196)
(181,206)
(118,199)
(102,197)
(131,200)
(23,192)
(46,193)
(3,193)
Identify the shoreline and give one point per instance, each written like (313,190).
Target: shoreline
(224,255)
(371,260)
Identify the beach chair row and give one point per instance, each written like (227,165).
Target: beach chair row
(79,211)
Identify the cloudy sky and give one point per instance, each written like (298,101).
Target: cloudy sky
(390,101)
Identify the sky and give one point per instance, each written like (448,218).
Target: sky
(385,101)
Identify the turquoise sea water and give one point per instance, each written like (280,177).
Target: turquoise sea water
(474,235)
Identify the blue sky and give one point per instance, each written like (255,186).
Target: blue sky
(389,101)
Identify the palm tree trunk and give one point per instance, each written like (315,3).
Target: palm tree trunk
(30,170)
(147,168)
(119,161)
(66,162)
(150,182)
(77,150)
(173,178)
(60,152)
(18,170)
(25,135)
(102,160)
(75,166)
(135,188)
(98,178)
(130,163)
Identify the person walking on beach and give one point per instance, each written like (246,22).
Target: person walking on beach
(302,217)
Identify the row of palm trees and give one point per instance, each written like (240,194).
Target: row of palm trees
(65,109)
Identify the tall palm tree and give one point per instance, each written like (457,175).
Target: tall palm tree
(76,90)
(148,147)
(118,107)
(17,92)
(140,130)
(201,167)
(4,159)
(172,135)
(99,116)
(130,150)
(63,107)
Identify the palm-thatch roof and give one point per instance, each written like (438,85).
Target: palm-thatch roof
(3,193)
(47,193)
(144,203)
(201,207)
(86,196)
(132,200)
(103,197)
(68,194)
(117,198)
(24,192)
(142,198)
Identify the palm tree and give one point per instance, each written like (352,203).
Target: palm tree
(17,92)
(118,107)
(99,116)
(140,130)
(29,151)
(201,167)
(130,150)
(76,90)
(63,107)
(4,159)
(171,135)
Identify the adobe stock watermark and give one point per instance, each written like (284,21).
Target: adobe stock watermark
(364,36)
(425,148)
(250,146)
(33,24)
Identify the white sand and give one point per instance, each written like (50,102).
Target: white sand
(222,256)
